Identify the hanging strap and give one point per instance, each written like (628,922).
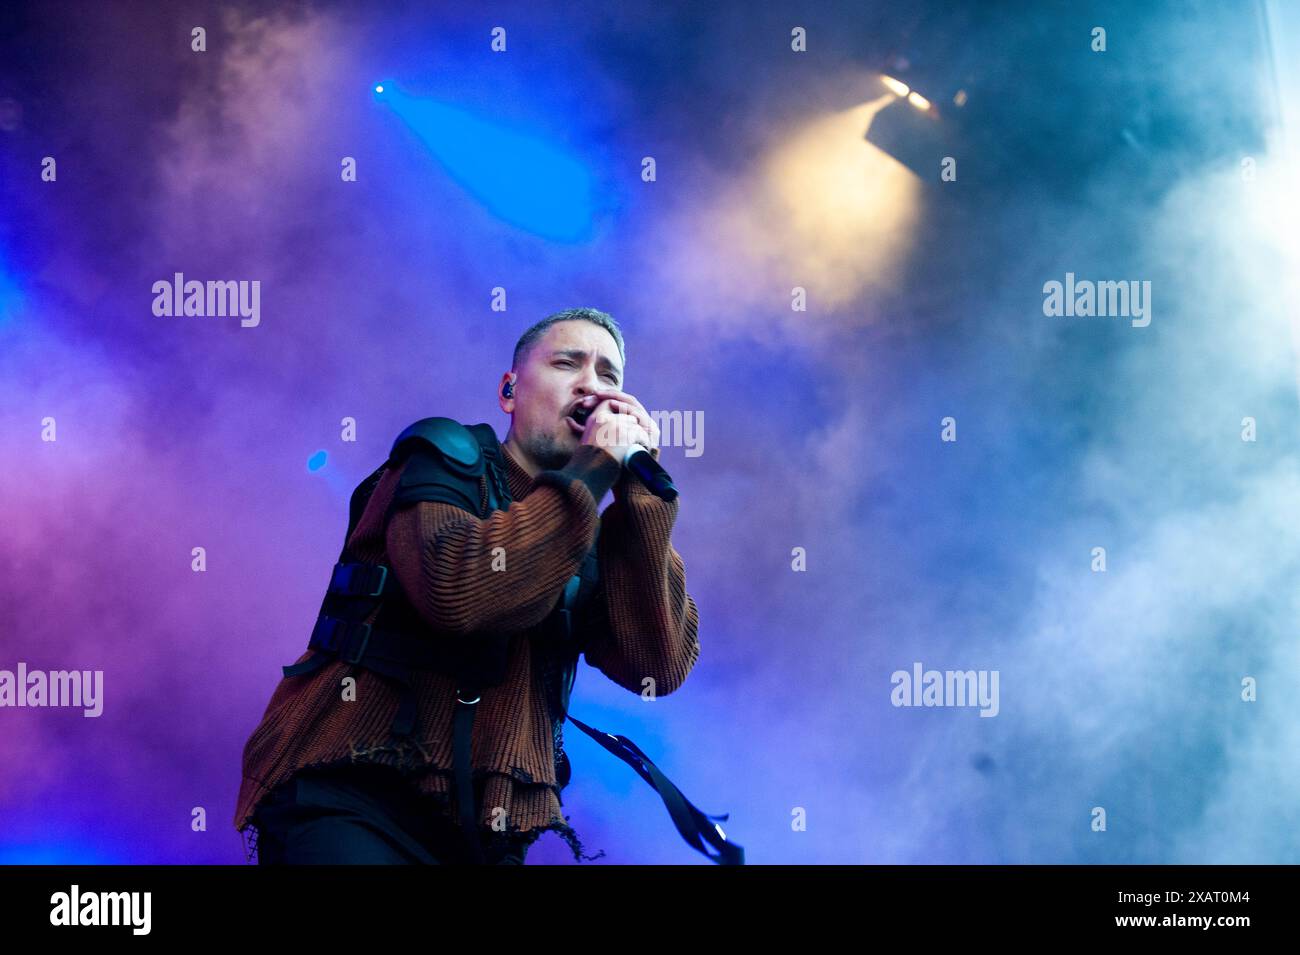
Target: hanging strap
(462,734)
(695,826)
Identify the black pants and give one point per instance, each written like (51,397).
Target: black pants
(363,814)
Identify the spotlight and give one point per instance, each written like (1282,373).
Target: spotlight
(379,88)
(897,87)
(916,136)
(939,76)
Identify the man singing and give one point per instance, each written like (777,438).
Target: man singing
(472,575)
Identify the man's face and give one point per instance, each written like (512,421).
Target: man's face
(571,360)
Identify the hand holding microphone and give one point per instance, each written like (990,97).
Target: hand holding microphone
(615,422)
(620,425)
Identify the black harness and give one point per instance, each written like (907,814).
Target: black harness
(447,460)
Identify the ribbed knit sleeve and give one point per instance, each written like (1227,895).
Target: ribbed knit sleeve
(646,624)
(465,574)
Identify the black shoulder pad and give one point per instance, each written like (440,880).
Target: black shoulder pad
(447,435)
(445,464)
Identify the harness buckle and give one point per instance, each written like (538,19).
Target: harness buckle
(361,650)
(355,579)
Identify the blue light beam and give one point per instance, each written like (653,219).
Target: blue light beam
(519,178)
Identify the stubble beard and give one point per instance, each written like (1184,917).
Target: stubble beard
(548,452)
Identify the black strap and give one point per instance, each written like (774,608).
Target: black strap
(694,825)
(462,734)
(499,498)
(355,588)
(365,645)
(358,579)
(310,665)
(404,720)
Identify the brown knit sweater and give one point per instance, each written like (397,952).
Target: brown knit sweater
(643,624)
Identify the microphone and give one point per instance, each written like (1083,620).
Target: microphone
(642,463)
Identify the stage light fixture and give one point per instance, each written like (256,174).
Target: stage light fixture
(897,87)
